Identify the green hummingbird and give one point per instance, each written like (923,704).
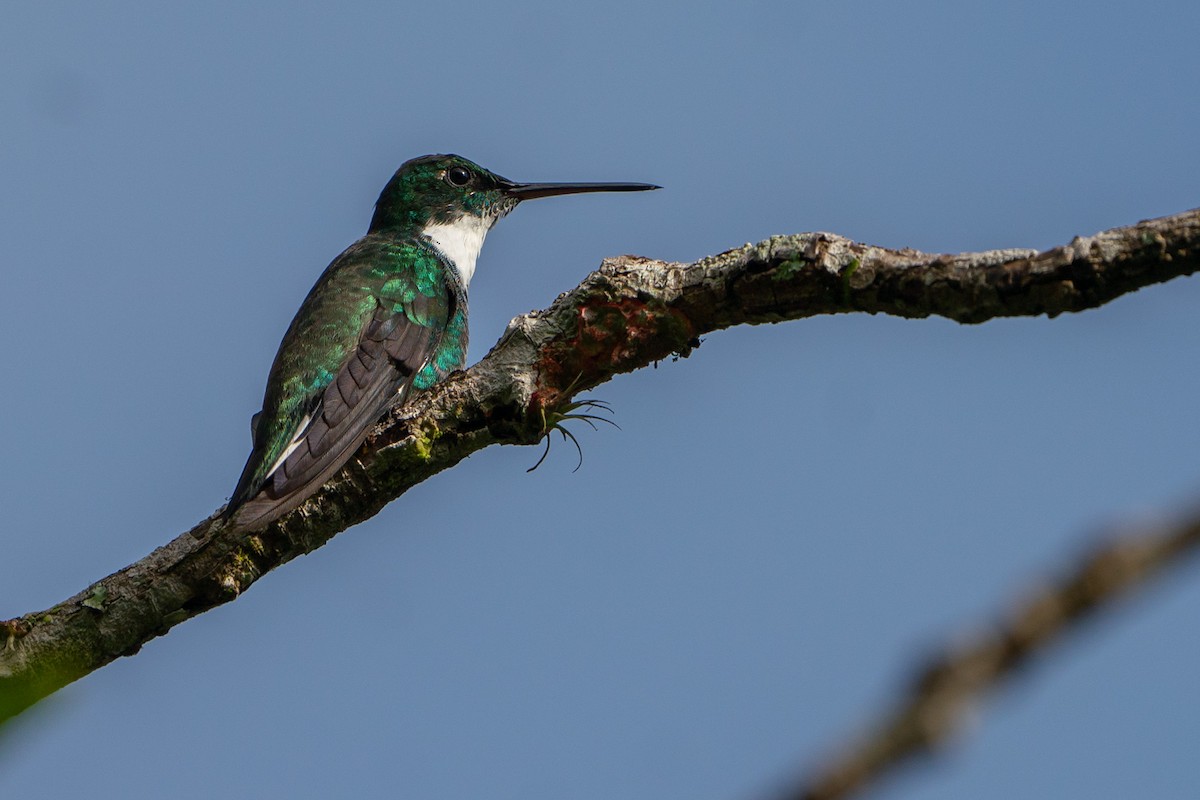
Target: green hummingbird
(388,317)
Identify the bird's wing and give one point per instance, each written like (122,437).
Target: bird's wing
(297,451)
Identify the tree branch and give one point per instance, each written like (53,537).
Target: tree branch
(627,315)
(956,681)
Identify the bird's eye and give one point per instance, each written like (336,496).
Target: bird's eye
(458,176)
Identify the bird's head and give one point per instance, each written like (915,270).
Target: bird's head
(442,189)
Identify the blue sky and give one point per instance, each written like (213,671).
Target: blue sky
(786,522)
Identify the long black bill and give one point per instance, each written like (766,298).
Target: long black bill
(531,191)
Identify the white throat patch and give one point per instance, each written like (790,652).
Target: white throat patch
(460,241)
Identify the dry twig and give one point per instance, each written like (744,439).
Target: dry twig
(957,680)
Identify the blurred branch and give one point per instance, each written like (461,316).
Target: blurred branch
(955,682)
(630,313)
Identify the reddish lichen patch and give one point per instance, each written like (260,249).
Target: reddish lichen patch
(611,337)
(11,630)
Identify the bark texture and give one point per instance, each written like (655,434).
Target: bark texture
(626,315)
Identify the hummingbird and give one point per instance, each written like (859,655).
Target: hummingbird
(387,318)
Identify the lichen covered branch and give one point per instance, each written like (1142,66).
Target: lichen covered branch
(627,315)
